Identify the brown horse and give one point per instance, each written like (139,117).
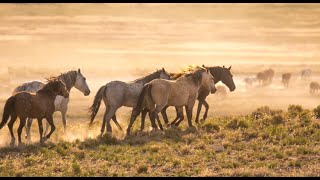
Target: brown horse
(182,92)
(33,105)
(314,87)
(265,77)
(285,79)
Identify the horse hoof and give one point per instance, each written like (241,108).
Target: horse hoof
(21,145)
(12,144)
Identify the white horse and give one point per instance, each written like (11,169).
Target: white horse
(71,79)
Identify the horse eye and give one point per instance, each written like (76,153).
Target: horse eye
(84,78)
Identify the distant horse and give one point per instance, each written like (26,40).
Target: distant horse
(265,77)
(249,81)
(116,94)
(70,79)
(285,79)
(314,87)
(219,74)
(33,105)
(305,74)
(181,92)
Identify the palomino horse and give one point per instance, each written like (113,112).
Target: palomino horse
(116,94)
(33,105)
(70,79)
(314,87)
(285,79)
(219,74)
(306,73)
(182,92)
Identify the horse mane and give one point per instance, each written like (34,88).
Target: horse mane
(51,84)
(149,77)
(68,78)
(195,72)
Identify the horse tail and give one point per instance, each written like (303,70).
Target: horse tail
(8,110)
(93,110)
(146,90)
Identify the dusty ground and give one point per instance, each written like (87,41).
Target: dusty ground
(127,41)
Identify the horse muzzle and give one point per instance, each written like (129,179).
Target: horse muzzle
(87,93)
(213,90)
(66,95)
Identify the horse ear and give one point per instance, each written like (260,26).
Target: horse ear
(79,70)
(163,70)
(202,65)
(223,66)
(229,68)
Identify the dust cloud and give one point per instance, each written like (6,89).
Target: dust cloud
(126,41)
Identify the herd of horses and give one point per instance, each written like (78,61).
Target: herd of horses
(151,94)
(265,78)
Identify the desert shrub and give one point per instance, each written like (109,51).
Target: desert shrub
(76,168)
(277,119)
(263,111)
(316,112)
(305,117)
(211,127)
(294,110)
(236,124)
(142,169)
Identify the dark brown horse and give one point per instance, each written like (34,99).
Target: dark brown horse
(33,105)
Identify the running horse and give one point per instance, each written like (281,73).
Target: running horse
(161,93)
(71,79)
(33,105)
(116,94)
(219,73)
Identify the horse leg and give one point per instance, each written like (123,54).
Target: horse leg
(10,126)
(104,121)
(40,130)
(180,117)
(189,115)
(143,118)
(28,128)
(64,121)
(108,117)
(21,125)
(206,105)
(200,102)
(53,127)
(164,115)
(114,118)
(159,122)
(133,117)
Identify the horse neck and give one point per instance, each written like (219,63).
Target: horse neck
(50,94)
(69,79)
(216,72)
(148,78)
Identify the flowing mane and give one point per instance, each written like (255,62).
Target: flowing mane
(194,72)
(51,84)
